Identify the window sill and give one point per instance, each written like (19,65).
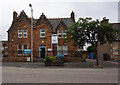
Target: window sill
(42,37)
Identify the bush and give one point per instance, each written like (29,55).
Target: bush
(51,59)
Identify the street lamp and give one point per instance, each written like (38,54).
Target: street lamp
(31,32)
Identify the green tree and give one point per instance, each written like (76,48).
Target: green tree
(92,48)
(93,32)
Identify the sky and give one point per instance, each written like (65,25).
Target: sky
(97,9)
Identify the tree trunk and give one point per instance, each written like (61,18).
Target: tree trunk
(97,60)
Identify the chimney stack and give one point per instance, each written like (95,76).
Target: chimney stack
(105,20)
(14,15)
(73,16)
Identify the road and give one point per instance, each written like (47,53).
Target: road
(59,75)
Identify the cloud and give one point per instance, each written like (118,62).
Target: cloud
(97,9)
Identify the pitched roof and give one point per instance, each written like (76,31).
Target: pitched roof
(55,22)
(117,26)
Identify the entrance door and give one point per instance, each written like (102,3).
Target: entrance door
(42,51)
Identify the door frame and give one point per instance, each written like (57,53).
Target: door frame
(42,46)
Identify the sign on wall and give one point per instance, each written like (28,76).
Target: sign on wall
(54,38)
(27,51)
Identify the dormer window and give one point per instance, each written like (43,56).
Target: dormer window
(25,33)
(42,32)
(20,33)
(59,33)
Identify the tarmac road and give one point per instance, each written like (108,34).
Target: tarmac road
(67,74)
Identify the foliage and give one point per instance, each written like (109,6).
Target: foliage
(92,32)
(51,59)
(92,48)
(89,31)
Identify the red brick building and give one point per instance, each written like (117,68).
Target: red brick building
(19,37)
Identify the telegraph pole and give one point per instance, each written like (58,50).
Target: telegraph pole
(31,32)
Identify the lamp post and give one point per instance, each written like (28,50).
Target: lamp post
(31,32)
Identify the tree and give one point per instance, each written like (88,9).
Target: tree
(92,48)
(92,32)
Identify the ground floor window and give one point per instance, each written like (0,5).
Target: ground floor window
(21,49)
(62,50)
(59,50)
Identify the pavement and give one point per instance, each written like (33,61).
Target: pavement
(88,64)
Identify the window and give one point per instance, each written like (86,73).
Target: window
(65,50)
(19,33)
(25,33)
(64,33)
(59,49)
(19,49)
(25,46)
(42,32)
(59,33)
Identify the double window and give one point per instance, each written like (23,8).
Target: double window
(42,32)
(61,34)
(22,33)
(59,49)
(21,49)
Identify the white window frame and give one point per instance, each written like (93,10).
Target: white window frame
(19,33)
(65,49)
(59,33)
(42,32)
(19,49)
(25,33)
(64,33)
(59,51)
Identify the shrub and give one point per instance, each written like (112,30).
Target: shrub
(51,59)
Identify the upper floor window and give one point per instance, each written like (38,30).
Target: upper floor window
(42,32)
(64,33)
(19,49)
(59,33)
(20,33)
(25,33)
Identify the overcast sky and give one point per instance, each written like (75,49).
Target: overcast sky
(97,9)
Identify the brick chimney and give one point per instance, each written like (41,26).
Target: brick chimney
(73,16)
(105,20)
(14,15)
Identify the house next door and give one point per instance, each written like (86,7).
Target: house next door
(42,51)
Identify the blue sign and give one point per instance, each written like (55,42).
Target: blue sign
(27,51)
(40,49)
